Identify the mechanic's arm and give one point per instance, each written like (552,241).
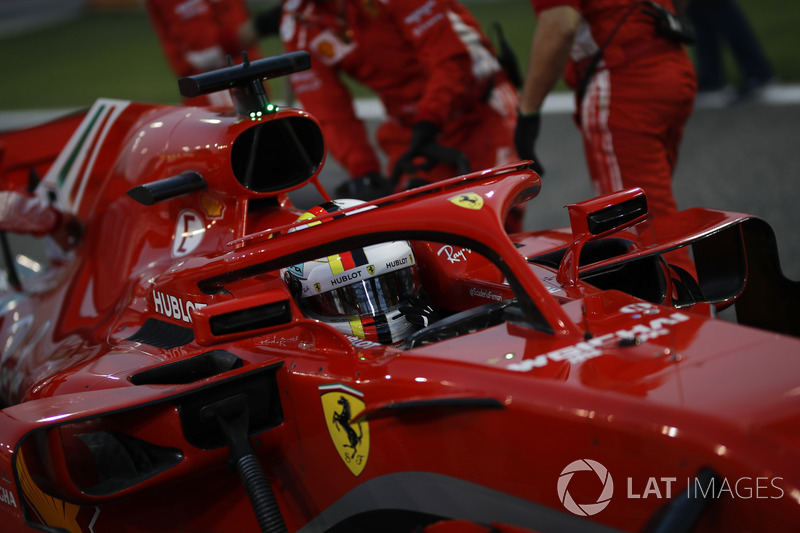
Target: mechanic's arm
(446,59)
(442,49)
(550,48)
(191,31)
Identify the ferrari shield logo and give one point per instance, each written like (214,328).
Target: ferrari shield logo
(371,270)
(469,200)
(341,404)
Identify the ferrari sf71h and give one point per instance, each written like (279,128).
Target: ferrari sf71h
(185,350)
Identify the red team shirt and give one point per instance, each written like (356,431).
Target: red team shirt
(197,35)
(425,59)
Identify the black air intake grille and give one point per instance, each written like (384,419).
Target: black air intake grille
(164,335)
(188,370)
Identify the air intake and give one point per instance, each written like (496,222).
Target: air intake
(189,370)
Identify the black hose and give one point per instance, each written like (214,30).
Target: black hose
(261,496)
(232,415)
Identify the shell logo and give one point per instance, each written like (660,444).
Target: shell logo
(585,509)
(326,49)
(212,207)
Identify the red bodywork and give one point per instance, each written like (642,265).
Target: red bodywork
(580,383)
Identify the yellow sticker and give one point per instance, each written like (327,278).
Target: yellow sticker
(469,200)
(341,404)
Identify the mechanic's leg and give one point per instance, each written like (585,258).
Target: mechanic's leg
(632,141)
(708,53)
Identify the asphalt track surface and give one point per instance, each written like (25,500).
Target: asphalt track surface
(743,157)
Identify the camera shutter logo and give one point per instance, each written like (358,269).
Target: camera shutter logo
(585,509)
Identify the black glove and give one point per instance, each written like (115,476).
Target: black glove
(368,187)
(525,136)
(418,311)
(423,133)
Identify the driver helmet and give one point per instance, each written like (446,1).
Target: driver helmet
(358,292)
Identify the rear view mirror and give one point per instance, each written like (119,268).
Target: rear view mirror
(617,216)
(609,213)
(596,218)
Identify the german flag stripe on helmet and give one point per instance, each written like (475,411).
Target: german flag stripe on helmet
(377,329)
(347,260)
(357,327)
(354,258)
(319,210)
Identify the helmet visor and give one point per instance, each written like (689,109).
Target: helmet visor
(367,297)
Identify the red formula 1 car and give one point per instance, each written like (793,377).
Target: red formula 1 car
(193,353)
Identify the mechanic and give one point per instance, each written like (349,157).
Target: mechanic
(198,35)
(371,293)
(634,89)
(433,70)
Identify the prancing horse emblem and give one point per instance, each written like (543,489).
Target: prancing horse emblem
(343,419)
(468,200)
(341,404)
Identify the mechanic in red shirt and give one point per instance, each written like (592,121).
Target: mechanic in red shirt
(198,35)
(634,103)
(432,68)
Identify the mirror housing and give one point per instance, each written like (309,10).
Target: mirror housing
(596,218)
